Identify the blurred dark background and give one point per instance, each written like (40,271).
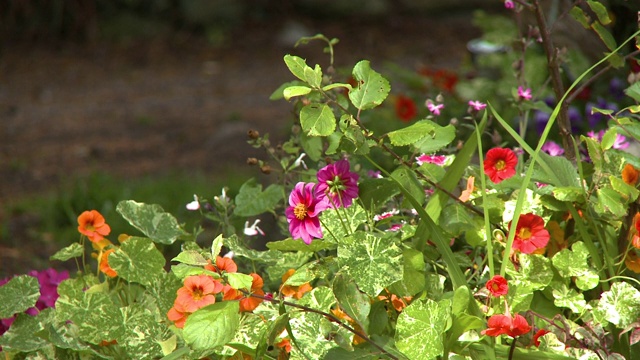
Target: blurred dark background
(106,100)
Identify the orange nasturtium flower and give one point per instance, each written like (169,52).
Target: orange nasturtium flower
(338,313)
(248,303)
(293,291)
(198,291)
(632,261)
(93,226)
(630,174)
(104,264)
(178,314)
(222,264)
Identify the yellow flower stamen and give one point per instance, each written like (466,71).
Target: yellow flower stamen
(525,233)
(500,165)
(300,211)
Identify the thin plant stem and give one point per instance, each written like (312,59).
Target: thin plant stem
(327,315)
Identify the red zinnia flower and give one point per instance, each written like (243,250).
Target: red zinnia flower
(406,109)
(305,205)
(530,234)
(93,226)
(497,286)
(505,324)
(198,291)
(537,336)
(500,164)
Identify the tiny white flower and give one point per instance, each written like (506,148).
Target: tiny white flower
(229,255)
(299,161)
(222,197)
(194,205)
(253,229)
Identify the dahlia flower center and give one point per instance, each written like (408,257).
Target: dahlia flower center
(300,211)
(524,233)
(500,165)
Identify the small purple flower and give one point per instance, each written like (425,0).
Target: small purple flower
(597,136)
(552,148)
(431,159)
(616,88)
(524,94)
(509,4)
(435,109)
(338,184)
(477,105)
(620,143)
(302,213)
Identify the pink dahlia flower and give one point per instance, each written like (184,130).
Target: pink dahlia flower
(305,205)
(337,184)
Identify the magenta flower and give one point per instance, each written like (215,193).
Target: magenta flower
(509,4)
(431,159)
(435,109)
(477,105)
(552,148)
(337,184)
(620,142)
(302,214)
(524,94)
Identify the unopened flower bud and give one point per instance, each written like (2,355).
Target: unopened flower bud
(252,161)
(440,98)
(253,134)
(453,122)
(295,129)
(265,169)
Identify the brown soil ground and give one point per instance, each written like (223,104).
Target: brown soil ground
(144,108)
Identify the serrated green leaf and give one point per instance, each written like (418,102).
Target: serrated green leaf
(580,16)
(619,306)
(152,220)
(604,34)
(353,302)
(216,246)
(610,202)
(609,138)
(72,251)
(600,10)
(424,135)
(137,260)
(433,172)
(297,66)
(565,172)
(372,88)
(630,193)
(279,92)
(317,120)
(213,325)
(18,295)
(313,76)
(239,280)
(312,145)
(568,193)
(633,91)
(374,262)
(191,257)
(420,329)
(299,245)
(293,91)
(456,219)
(374,193)
(252,201)
(438,139)
(595,151)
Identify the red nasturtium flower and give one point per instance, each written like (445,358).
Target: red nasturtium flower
(497,286)
(302,214)
(537,335)
(337,184)
(104,264)
(500,164)
(93,225)
(507,325)
(198,291)
(530,234)
(406,109)
(632,261)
